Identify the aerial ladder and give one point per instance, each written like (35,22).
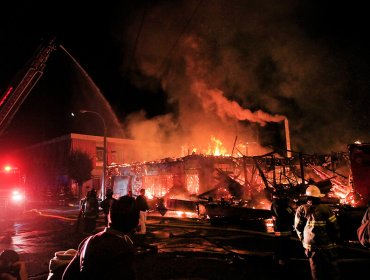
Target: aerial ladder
(17,92)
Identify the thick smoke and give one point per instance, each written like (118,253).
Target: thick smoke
(228,66)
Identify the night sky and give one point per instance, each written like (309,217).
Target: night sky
(183,72)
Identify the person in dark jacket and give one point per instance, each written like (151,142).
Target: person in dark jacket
(106,204)
(11,267)
(317,228)
(90,211)
(283,220)
(143,207)
(109,254)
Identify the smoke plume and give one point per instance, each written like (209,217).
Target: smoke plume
(228,66)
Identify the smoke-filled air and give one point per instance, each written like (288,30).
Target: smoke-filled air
(228,69)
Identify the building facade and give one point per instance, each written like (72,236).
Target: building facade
(46,164)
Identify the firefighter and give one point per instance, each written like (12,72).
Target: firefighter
(318,230)
(106,204)
(143,207)
(283,220)
(90,211)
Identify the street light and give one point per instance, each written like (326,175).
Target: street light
(104,149)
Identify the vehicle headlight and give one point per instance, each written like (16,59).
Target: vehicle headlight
(17,196)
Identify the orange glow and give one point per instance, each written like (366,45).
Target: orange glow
(339,189)
(149,194)
(182,214)
(216,147)
(192,183)
(264,204)
(352,198)
(157,185)
(269,224)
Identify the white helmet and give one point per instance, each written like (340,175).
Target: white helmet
(313,191)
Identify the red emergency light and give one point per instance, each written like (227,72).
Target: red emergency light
(8,168)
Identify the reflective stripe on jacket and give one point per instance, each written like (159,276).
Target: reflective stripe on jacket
(283,233)
(316,226)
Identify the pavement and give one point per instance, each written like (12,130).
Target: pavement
(187,248)
(196,250)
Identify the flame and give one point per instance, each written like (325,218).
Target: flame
(214,148)
(338,189)
(269,224)
(352,198)
(149,194)
(192,183)
(183,214)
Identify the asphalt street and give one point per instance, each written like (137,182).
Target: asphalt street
(173,248)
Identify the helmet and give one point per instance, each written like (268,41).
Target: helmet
(313,191)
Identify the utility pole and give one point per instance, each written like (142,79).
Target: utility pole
(103,178)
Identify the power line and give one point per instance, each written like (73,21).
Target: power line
(166,60)
(137,39)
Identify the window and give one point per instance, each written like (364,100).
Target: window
(99,156)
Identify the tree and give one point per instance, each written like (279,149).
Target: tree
(80,166)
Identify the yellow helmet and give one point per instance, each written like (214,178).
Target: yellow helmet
(313,191)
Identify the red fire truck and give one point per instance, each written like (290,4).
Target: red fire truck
(359,155)
(12,190)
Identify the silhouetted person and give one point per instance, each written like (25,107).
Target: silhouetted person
(318,230)
(11,267)
(108,254)
(90,211)
(143,207)
(106,204)
(283,220)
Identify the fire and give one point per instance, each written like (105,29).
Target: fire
(216,147)
(269,224)
(149,194)
(183,214)
(352,198)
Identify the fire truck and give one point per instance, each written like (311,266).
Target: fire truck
(12,190)
(12,183)
(359,156)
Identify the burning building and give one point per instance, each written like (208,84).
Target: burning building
(244,180)
(183,177)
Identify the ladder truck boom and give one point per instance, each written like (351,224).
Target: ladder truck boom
(15,94)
